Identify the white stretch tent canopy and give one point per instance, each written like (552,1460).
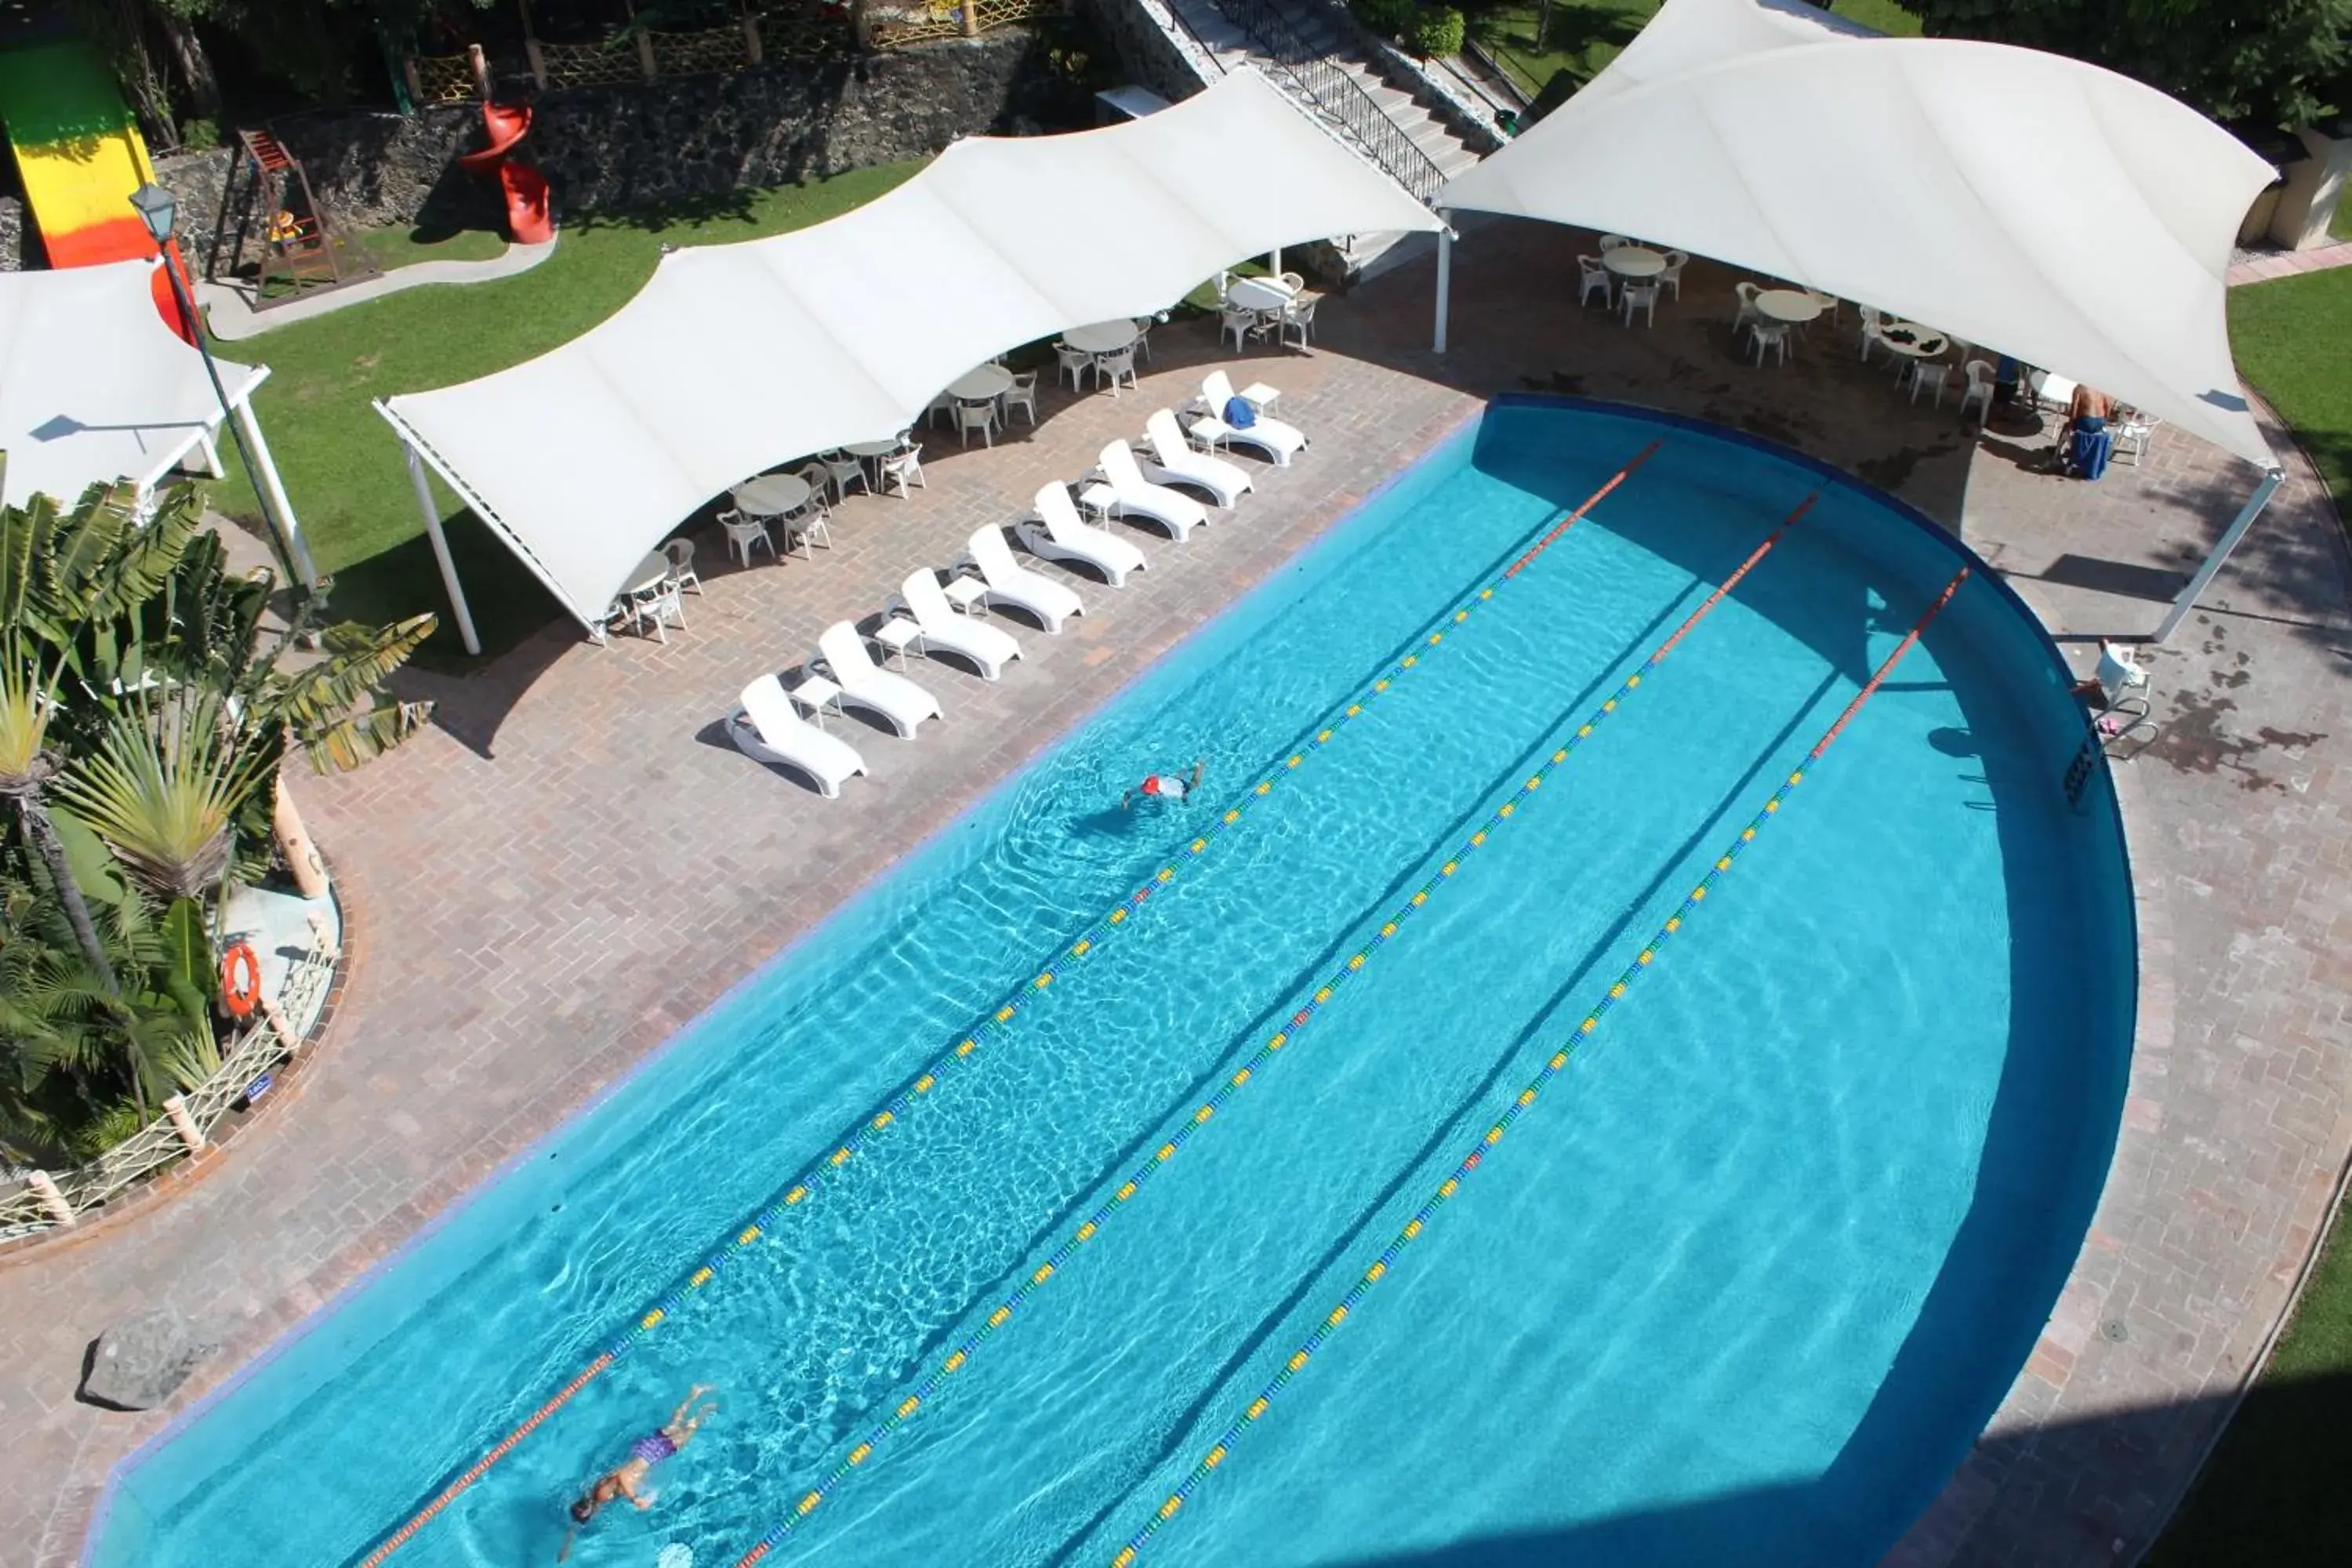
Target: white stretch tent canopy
(94,388)
(737,357)
(2044,208)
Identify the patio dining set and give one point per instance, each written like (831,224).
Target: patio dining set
(1628,276)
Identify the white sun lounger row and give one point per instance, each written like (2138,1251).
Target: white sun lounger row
(767,727)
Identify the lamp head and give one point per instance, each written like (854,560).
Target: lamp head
(156,209)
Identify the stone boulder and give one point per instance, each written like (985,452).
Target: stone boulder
(140,1360)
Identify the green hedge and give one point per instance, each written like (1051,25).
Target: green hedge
(1436,30)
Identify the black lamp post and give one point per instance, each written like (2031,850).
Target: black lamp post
(156,208)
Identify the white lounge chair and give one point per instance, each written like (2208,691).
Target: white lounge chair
(1278,441)
(1014,583)
(766,730)
(987,647)
(1132,495)
(1057,534)
(890,697)
(1173,462)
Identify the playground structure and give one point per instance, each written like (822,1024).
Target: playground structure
(298,243)
(79,158)
(523,187)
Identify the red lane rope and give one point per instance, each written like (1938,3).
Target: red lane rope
(1541,545)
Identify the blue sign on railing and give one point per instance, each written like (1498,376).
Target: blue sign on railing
(260,1087)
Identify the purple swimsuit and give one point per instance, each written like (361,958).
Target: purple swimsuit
(653,1448)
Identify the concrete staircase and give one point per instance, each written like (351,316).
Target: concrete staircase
(1303,64)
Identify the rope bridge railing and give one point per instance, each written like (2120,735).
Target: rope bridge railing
(186,1127)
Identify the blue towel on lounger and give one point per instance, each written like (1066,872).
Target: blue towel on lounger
(2092,449)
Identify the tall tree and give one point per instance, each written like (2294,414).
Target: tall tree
(2265,62)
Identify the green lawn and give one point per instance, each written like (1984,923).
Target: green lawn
(2290,339)
(2274,1492)
(1586,34)
(341,464)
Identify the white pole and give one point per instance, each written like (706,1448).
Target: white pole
(2229,537)
(276,489)
(432,514)
(1274,262)
(210,445)
(1445,282)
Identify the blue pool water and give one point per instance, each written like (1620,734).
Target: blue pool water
(1739,1288)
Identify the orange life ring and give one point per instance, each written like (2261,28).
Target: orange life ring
(241,980)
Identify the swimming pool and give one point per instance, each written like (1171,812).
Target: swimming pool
(1739,1286)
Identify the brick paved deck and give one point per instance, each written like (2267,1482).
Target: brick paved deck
(621,865)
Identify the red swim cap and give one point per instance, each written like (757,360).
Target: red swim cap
(1151,785)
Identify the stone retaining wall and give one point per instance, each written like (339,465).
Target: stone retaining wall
(608,149)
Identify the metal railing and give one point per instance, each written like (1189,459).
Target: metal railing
(190,1117)
(1337,97)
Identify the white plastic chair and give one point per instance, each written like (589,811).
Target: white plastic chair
(1672,278)
(904,468)
(681,563)
(1926,374)
(2131,431)
(1641,297)
(1772,335)
(1143,337)
(1238,323)
(1977,390)
(979,417)
(1300,318)
(658,604)
(1075,363)
(810,522)
(1294,281)
(941,405)
(1874,326)
(1747,316)
(841,467)
(1116,366)
(1022,395)
(743,532)
(1610,242)
(1593,277)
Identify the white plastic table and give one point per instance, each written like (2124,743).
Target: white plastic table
(969,594)
(1101,337)
(1259,294)
(1926,342)
(1635,262)
(896,635)
(981,383)
(650,573)
(772,495)
(817,695)
(1790,307)
(2049,387)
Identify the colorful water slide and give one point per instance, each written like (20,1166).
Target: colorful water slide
(526,188)
(79,158)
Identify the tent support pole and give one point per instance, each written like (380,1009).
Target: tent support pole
(2213,563)
(432,515)
(1444,283)
(265,471)
(1274,262)
(209,445)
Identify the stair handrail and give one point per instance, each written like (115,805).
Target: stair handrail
(1339,96)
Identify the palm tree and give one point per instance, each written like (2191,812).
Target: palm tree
(27,765)
(163,788)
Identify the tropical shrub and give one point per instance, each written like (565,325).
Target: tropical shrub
(1436,30)
(145,711)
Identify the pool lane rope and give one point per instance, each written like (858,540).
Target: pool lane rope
(1220,1450)
(1141,1176)
(998,1021)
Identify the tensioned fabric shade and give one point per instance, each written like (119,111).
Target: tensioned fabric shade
(737,357)
(2031,203)
(94,388)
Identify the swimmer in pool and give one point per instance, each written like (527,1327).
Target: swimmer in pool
(628,1479)
(1166,787)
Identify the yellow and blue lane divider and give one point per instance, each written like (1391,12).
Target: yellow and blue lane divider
(1251,1413)
(1141,1176)
(998,1022)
